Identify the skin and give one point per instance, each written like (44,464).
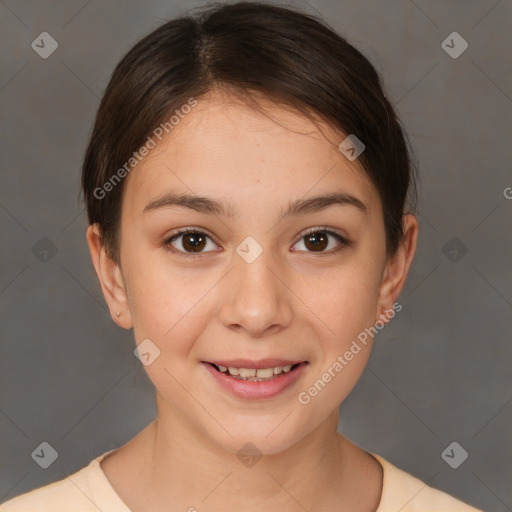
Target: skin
(291,302)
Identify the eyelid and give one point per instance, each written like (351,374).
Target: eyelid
(344,242)
(189,229)
(327,229)
(166,243)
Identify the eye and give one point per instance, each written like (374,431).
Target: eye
(193,241)
(317,240)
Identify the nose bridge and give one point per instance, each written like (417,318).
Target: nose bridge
(257,298)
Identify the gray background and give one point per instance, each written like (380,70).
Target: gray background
(440,372)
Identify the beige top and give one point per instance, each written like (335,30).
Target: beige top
(89,490)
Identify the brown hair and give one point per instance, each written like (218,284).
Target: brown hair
(287,56)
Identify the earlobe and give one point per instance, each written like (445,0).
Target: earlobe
(397,267)
(110,277)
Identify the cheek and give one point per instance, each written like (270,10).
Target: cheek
(168,306)
(343,301)
(344,313)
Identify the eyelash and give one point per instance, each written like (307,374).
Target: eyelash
(344,242)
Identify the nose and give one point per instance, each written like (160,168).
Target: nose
(256,297)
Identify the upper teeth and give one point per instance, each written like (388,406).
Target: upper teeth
(262,373)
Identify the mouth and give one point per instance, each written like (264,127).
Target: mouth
(256,372)
(256,380)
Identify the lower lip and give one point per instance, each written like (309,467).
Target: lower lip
(256,389)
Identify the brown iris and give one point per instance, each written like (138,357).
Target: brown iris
(318,241)
(193,242)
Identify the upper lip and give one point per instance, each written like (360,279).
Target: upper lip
(255,363)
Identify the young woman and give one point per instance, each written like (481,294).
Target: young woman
(249,192)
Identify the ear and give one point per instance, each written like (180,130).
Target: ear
(111,278)
(397,268)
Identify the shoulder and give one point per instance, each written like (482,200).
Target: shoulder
(57,494)
(78,492)
(46,498)
(403,491)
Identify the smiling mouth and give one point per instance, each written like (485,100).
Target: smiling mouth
(257,375)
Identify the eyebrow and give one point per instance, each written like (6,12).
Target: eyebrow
(208,205)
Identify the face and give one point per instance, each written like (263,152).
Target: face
(256,282)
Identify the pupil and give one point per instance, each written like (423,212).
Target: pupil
(317,240)
(196,241)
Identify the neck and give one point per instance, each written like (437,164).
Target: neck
(180,468)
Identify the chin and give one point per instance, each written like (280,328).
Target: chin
(249,438)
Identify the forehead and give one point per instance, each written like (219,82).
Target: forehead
(225,149)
